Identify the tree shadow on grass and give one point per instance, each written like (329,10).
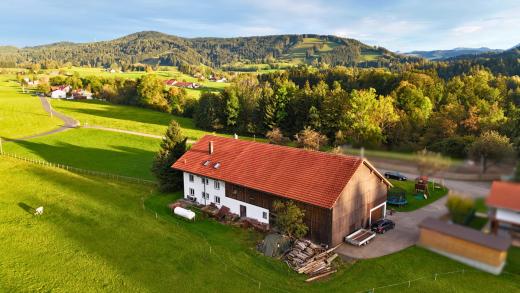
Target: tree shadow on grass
(26,207)
(124,160)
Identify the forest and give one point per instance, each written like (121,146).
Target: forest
(371,107)
(158,48)
(375,108)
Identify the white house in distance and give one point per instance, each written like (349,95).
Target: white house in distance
(58,94)
(339,194)
(504,204)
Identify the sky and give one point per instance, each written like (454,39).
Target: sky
(398,25)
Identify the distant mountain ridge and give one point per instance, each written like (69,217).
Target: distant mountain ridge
(446,54)
(159,48)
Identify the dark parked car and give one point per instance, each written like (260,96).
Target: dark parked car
(395,175)
(382,226)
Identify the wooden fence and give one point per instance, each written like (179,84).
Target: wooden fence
(81,171)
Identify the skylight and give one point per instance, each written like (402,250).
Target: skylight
(206,163)
(217,165)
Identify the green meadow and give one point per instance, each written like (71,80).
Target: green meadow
(21,114)
(98,235)
(92,149)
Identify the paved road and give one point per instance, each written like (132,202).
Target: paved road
(406,232)
(68,122)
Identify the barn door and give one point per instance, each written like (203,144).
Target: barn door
(243,211)
(377,213)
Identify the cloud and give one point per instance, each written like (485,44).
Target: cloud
(467,29)
(397,24)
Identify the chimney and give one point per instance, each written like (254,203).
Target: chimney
(210,147)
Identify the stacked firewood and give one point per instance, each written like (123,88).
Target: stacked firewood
(313,260)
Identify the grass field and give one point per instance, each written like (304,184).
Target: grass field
(21,114)
(129,118)
(413,202)
(95,236)
(93,149)
(125,117)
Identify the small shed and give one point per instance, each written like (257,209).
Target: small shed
(466,245)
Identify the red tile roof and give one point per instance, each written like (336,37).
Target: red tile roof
(312,177)
(504,195)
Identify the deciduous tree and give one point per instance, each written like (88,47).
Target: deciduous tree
(490,148)
(289,219)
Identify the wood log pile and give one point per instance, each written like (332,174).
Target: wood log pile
(313,260)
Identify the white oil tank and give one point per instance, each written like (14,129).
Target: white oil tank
(184,213)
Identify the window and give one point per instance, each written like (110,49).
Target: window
(191,178)
(192,191)
(217,184)
(217,199)
(205,180)
(217,165)
(206,163)
(205,195)
(264,215)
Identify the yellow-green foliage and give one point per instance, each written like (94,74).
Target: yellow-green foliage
(460,207)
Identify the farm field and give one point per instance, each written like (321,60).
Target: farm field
(92,149)
(21,114)
(99,230)
(413,202)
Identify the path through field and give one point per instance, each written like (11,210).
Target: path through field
(68,122)
(190,141)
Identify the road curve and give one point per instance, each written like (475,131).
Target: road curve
(68,122)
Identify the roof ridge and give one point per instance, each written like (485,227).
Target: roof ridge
(285,147)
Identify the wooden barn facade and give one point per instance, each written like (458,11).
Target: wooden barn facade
(339,194)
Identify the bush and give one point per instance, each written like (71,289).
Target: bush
(460,208)
(289,219)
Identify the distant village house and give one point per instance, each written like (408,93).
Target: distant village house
(182,84)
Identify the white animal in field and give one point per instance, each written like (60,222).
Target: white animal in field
(39,211)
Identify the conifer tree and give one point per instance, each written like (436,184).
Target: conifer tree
(173,147)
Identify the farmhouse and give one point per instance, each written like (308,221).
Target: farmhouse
(184,84)
(504,203)
(339,194)
(58,94)
(81,94)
